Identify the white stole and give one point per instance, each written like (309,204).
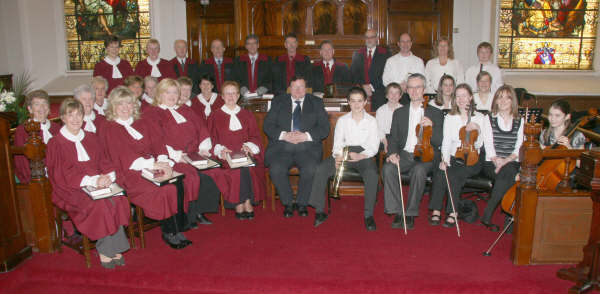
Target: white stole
(45,127)
(89,122)
(208,103)
(127,124)
(116,74)
(155,71)
(234,122)
(82,155)
(173,110)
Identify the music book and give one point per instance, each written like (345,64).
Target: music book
(239,159)
(200,162)
(100,193)
(159,178)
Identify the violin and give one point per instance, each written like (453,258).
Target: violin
(423,148)
(467,151)
(550,172)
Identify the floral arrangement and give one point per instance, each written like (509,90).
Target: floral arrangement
(13,101)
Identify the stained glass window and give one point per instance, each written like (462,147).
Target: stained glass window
(89,22)
(547,34)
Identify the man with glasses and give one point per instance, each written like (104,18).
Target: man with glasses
(367,69)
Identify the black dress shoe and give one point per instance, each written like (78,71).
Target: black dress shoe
(302,211)
(398,222)
(172,241)
(434,220)
(410,222)
(320,218)
(491,227)
(241,215)
(288,211)
(193,225)
(370,223)
(202,220)
(249,215)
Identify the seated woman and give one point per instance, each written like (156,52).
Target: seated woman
(483,97)
(234,130)
(457,172)
(182,133)
(384,113)
(133,145)
(207,101)
(185,87)
(503,165)
(75,160)
(136,85)
(92,121)
(559,117)
(356,130)
(445,90)
(149,91)
(38,105)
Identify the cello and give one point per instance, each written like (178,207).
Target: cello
(423,148)
(467,151)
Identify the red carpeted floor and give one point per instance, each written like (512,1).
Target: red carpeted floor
(275,255)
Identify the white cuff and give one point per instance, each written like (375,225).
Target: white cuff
(218,149)
(142,163)
(372,89)
(253,147)
(308,137)
(282,134)
(113,176)
(165,158)
(206,145)
(89,181)
(174,154)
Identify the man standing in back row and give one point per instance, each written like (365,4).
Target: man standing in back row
(400,66)
(367,69)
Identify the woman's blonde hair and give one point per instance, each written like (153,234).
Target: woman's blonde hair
(510,91)
(118,96)
(162,88)
(450,47)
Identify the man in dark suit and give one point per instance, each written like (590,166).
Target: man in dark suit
(253,70)
(401,145)
(367,69)
(296,125)
(219,67)
(327,70)
(288,65)
(185,66)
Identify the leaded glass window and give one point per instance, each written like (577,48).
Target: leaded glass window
(547,34)
(89,22)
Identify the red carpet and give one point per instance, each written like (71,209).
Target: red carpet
(275,255)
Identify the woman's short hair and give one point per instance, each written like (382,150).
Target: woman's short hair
(150,79)
(230,84)
(153,41)
(37,94)
(118,96)
(162,88)
(69,105)
(98,80)
(482,74)
(206,77)
(130,80)
(437,43)
(185,81)
(439,97)
(510,91)
(453,105)
(85,88)
(112,39)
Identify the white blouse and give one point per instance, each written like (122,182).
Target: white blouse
(384,115)
(434,72)
(483,106)
(452,125)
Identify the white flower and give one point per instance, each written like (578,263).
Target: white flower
(2,107)
(11,97)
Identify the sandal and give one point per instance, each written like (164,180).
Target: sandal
(447,223)
(434,219)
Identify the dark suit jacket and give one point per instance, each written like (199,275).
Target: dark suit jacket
(399,130)
(341,74)
(279,119)
(209,67)
(263,64)
(279,71)
(357,68)
(191,69)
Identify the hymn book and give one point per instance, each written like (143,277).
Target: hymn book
(200,162)
(239,159)
(100,193)
(158,176)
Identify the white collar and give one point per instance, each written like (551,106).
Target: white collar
(82,155)
(147,98)
(173,110)
(207,104)
(45,127)
(127,124)
(234,122)
(255,57)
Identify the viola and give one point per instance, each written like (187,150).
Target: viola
(423,148)
(467,151)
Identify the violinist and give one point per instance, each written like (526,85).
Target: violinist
(402,141)
(503,166)
(443,97)
(559,117)
(473,125)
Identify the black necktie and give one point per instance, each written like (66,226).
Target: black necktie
(481,67)
(296,116)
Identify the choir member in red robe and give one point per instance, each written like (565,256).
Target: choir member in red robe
(38,105)
(75,160)
(219,67)
(207,101)
(234,129)
(185,66)
(328,70)
(112,67)
(149,92)
(185,88)
(92,121)
(289,65)
(100,85)
(253,70)
(138,147)
(153,65)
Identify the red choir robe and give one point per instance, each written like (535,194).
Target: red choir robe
(233,140)
(158,202)
(99,122)
(94,218)
(103,69)
(183,137)
(143,69)
(22,169)
(200,109)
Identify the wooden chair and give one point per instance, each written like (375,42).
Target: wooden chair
(143,224)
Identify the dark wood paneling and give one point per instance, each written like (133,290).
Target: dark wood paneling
(206,23)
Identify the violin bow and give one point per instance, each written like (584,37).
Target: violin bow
(402,197)
(452,202)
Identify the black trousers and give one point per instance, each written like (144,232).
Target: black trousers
(503,180)
(457,176)
(279,170)
(368,171)
(208,198)
(246,191)
(177,222)
(418,177)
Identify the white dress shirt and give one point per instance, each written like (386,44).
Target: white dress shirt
(348,132)
(414,117)
(452,125)
(494,70)
(384,116)
(483,106)
(398,68)
(434,72)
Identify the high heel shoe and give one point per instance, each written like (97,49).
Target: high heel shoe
(241,215)
(448,224)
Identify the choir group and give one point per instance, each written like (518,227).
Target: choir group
(162,112)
